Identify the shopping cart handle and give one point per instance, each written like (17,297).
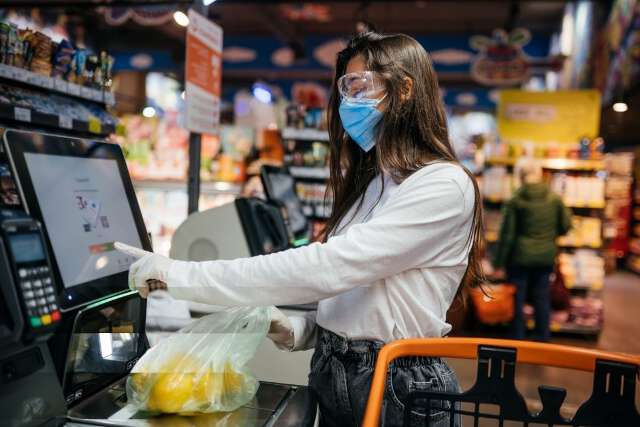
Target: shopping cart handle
(534,353)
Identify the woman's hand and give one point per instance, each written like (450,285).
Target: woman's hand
(149,272)
(281,331)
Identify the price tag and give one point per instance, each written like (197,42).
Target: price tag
(49,83)
(109,98)
(85,92)
(5,72)
(73,89)
(60,85)
(16,74)
(22,114)
(66,122)
(121,130)
(94,125)
(40,80)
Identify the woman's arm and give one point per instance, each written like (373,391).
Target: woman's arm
(414,229)
(425,223)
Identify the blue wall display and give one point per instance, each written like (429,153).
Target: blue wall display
(450,53)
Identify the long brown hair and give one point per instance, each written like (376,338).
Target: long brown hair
(412,132)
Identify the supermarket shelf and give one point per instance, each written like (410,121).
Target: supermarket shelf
(309,172)
(599,205)
(213,187)
(492,199)
(305,134)
(570,328)
(555,164)
(592,205)
(572,246)
(30,78)
(311,212)
(29,115)
(590,286)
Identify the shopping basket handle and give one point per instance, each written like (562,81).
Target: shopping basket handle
(534,353)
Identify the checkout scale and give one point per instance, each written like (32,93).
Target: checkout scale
(70,329)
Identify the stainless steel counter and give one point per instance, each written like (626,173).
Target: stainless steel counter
(275,405)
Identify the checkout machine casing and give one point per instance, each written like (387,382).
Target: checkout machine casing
(243,228)
(30,394)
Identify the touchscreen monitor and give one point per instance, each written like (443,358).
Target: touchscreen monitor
(81,191)
(280,186)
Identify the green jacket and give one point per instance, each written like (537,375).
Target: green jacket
(531,222)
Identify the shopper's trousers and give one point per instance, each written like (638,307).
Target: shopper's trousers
(340,378)
(535,282)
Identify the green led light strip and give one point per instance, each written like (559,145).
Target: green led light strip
(301,242)
(111,298)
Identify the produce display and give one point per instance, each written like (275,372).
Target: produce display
(584,269)
(579,191)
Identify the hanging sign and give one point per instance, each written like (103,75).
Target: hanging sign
(203,75)
(563,116)
(501,60)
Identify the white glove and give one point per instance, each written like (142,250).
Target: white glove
(147,271)
(281,330)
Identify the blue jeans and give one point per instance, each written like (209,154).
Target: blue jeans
(533,281)
(340,379)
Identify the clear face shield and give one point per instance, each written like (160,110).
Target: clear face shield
(361,86)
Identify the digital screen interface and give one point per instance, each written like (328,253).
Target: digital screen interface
(85,209)
(283,187)
(26,247)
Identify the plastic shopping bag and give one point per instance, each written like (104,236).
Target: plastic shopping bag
(201,368)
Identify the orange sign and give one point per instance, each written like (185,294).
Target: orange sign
(203,74)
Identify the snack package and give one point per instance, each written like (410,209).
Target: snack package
(62,59)
(202,367)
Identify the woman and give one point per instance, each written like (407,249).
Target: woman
(532,221)
(402,236)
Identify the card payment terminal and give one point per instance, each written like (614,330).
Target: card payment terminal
(26,263)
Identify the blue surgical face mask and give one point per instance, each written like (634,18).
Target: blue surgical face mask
(359,119)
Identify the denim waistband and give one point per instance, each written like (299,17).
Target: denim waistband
(363,351)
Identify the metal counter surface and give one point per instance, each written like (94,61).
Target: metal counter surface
(275,405)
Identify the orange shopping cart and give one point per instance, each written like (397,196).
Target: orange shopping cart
(612,402)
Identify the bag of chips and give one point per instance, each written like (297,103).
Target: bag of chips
(202,367)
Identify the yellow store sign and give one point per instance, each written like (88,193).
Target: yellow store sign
(564,116)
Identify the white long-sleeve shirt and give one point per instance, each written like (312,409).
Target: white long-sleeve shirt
(390,271)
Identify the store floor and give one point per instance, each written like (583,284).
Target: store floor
(621,333)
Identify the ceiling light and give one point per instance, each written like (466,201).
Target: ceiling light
(180,18)
(208,2)
(262,95)
(620,107)
(149,112)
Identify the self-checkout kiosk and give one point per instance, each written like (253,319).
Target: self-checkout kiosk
(70,329)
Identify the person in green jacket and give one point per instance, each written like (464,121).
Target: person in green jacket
(532,220)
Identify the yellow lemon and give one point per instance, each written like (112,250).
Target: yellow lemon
(208,387)
(181,364)
(233,381)
(171,391)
